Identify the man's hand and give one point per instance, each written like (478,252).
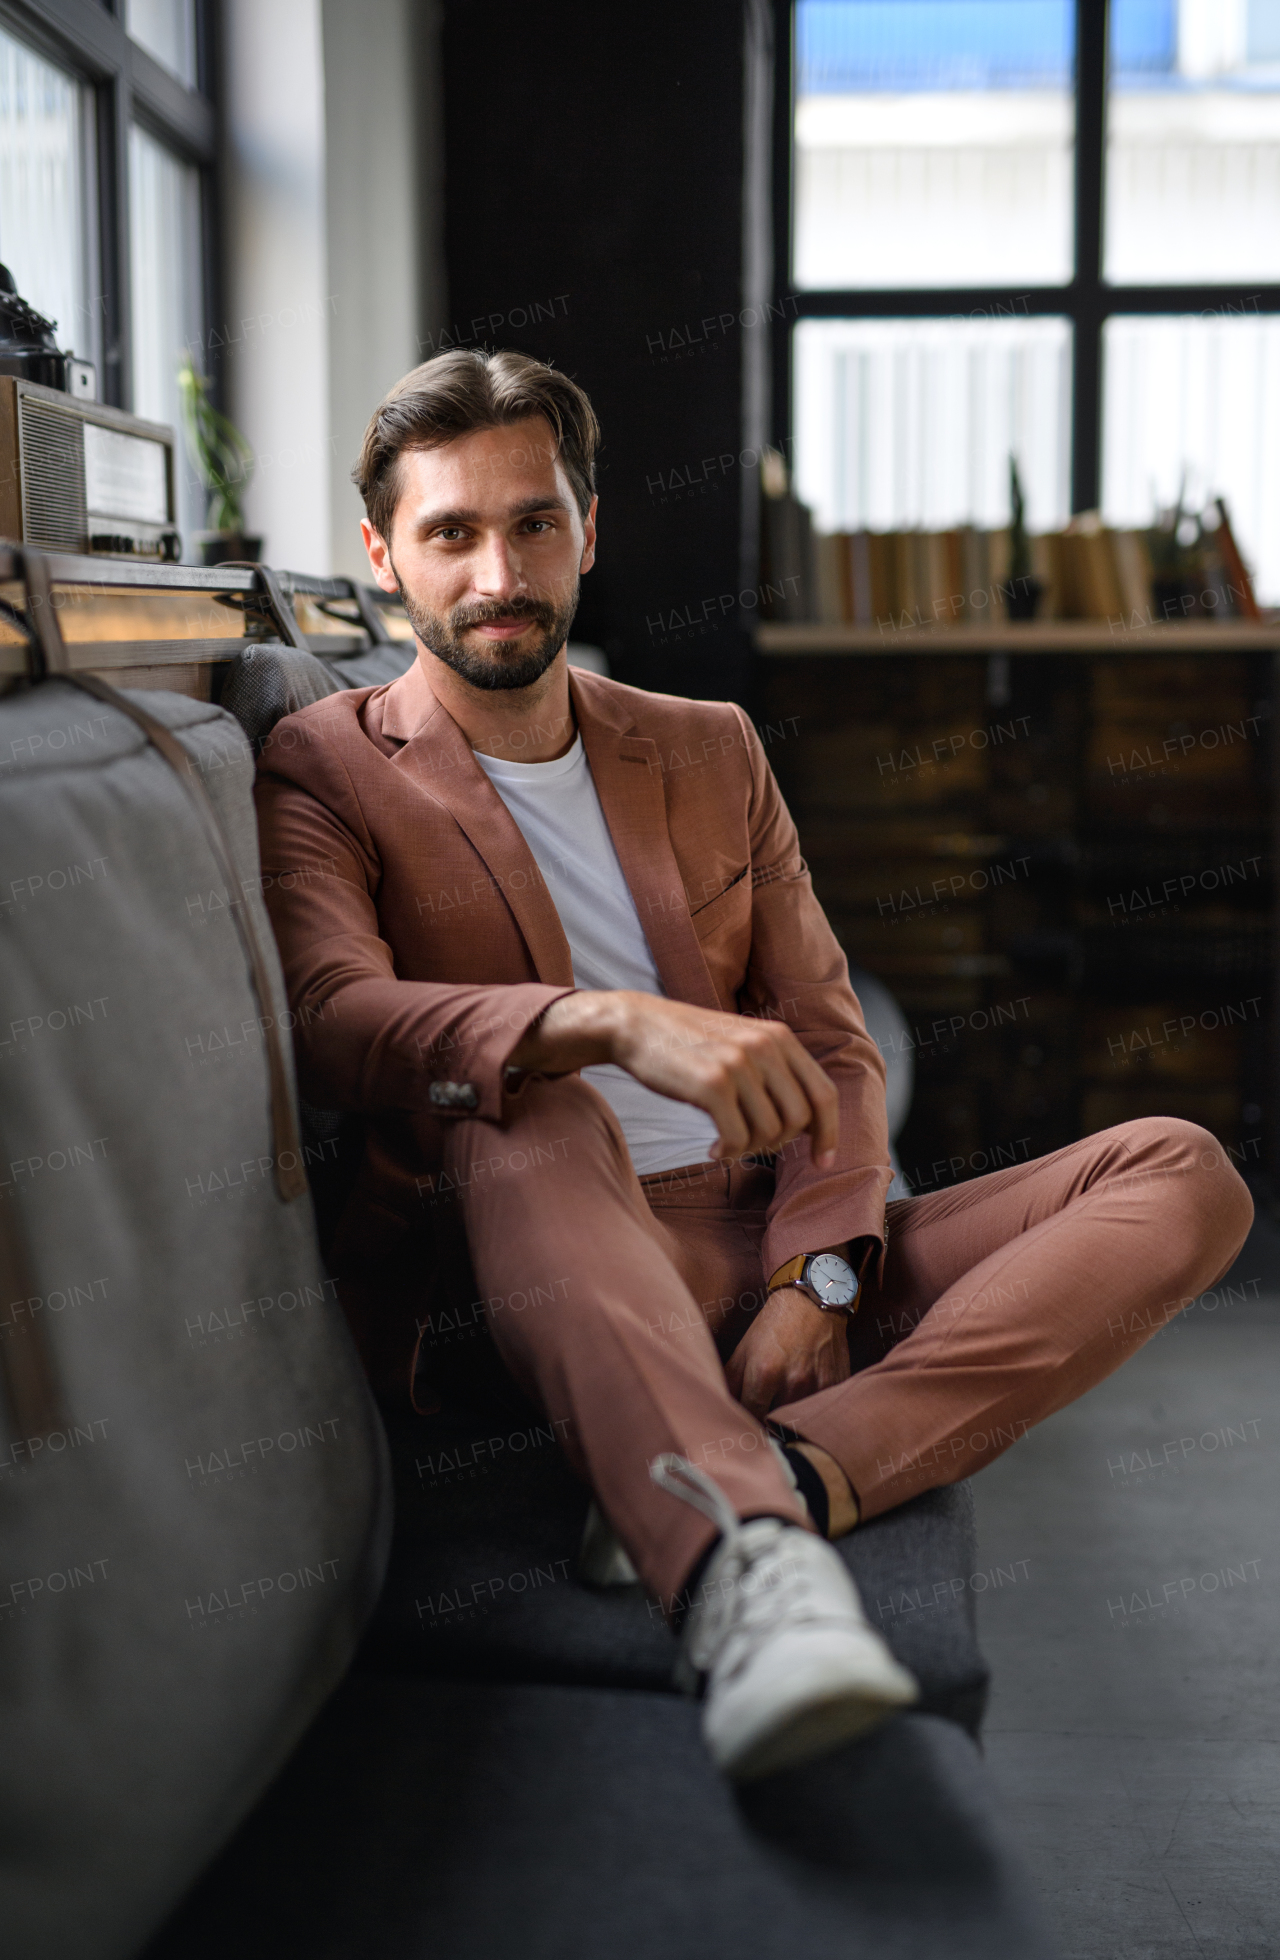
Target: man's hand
(757,1082)
(792,1349)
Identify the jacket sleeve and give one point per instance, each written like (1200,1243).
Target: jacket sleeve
(798,974)
(365,1040)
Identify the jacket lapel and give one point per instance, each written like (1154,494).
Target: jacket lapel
(627,771)
(442,763)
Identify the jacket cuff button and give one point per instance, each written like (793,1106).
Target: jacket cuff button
(453,1095)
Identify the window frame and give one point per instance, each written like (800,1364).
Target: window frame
(88,39)
(1087,301)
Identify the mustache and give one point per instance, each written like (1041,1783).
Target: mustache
(533,609)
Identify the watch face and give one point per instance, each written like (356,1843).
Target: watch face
(831,1278)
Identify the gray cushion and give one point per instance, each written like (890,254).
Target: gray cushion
(376,665)
(270,680)
(190,1551)
(422,1819)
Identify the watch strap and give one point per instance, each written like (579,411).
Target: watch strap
(791,1273)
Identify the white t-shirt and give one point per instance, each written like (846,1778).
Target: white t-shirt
(558,812)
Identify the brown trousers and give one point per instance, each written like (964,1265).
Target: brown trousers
(1002,1300)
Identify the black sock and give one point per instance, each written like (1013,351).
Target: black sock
(812,1488)
(683,1600)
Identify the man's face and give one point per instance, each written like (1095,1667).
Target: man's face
(486,548)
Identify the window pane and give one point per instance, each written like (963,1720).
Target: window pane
(167,292)
(167,30)
(1201,396)
(934,142)
(912,422)
(44,237)
(1193,149)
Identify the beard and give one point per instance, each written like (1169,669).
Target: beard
(494,667)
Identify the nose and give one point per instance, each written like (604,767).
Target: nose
(497,571)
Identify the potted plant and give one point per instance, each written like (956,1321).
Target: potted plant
(223,461)
(1023,593)
(1176,547)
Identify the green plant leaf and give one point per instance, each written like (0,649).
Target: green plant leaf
(220,455)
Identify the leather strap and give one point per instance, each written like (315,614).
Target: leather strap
(370,614)
(269,598)
(790,1274)
(282,612)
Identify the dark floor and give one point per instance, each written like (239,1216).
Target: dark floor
(1129,1581)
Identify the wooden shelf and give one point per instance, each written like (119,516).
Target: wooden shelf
(1050,636)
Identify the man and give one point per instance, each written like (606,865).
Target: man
(554,937)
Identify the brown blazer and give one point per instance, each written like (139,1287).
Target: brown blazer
(419,943)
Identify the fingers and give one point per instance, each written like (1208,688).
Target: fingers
(754,1078)
(784,1094)
(760,1105)
(761,1384)
(754,1372)
(792,1351)
(788,1110)
(724,1109)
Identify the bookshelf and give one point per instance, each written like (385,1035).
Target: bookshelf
(1060,862)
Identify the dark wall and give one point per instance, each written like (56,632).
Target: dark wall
(594,197)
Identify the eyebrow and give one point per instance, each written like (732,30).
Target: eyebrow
(527,507)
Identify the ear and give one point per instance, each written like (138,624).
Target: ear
(589,537)
(384,576)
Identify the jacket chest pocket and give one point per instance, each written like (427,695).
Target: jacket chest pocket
(726,912)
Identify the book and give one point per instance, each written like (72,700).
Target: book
(881,549)
(829,570)
(1239,583)
(787,559)
(1091,584)
(1046,565)
(900,580)
(1133,574)
(975,571)
(858,561)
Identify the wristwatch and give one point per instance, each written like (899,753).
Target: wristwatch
(824,1277)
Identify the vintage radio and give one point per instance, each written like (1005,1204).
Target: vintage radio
(76,476)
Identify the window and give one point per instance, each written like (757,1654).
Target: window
(934,143)
(1193,142)
(167,293)
(1192,404)
(106,148)
(46,186)
(911,422)
(167,30)
(1026,225)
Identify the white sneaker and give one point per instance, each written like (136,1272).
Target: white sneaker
(777,1639)
(602,1562)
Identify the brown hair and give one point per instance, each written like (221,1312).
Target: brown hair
(466,389)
